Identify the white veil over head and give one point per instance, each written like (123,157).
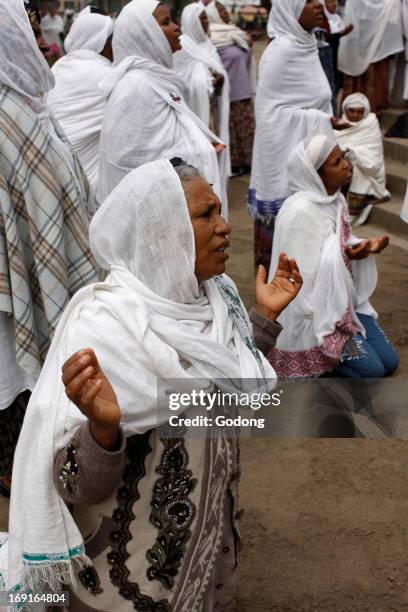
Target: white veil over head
(23,68)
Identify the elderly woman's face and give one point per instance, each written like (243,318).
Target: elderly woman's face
(170,29)
(312,15)
(223,12)
(336,172)
(204,21)
(355,114)
(210,229)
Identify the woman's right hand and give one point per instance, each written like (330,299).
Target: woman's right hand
(359,251)
(339,124)
(88,388)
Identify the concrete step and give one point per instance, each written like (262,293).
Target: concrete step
(397,174)
(397,149)
(389,117)
(387,216)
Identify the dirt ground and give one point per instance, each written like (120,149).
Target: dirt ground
(325,523)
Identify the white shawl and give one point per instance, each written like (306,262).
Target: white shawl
(224,34)
(404,212)
(405,29)
(336,23)
(364,142)
(377,34)
(194,64)
(308,229)
(22,65)
(293,100)
(146,117)
(145,323)
(76,99)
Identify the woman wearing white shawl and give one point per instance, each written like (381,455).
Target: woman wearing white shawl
(165,312)
(76,99)
(363,142)
(146,117)
(332,325)
(199,66)
(293,102)
(364,55)
(234,49)
(44,206)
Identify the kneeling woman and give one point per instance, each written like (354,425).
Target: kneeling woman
(332,325)
(157,514)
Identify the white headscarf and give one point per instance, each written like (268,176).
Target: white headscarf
(293,102)
(22,65)
(144,323)
(89,31)
(76,100)
(146,116)
(377,34)
(195,63)
(224,34)
(364,142)
(336,23)
(308,228)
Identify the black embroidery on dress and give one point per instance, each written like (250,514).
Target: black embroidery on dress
(90,580)
(137,449)
(172,512)
(68,471)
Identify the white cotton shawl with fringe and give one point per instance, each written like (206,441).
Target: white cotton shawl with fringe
(148,320)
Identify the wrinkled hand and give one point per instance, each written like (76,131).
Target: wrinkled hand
(272,298)
(379,244)
(359,251)
(88,388)
(339,124)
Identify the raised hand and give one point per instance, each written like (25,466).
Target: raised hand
(88,388)
(272,298)
(379,244)
(358,251)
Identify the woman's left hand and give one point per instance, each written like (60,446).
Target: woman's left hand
(272,298)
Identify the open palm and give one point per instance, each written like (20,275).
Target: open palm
(272,298)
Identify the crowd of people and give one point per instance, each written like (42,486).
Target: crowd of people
(114,171)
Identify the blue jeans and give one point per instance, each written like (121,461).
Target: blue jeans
(370,357)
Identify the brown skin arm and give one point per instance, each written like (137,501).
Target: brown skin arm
(374,246)
(339,125)
(89,389)
(272,298)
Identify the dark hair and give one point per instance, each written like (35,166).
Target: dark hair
(185,171)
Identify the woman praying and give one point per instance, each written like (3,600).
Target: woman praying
(146,117)
(153,516)
(331,327)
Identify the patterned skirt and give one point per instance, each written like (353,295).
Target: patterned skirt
(242,132)
(11,422)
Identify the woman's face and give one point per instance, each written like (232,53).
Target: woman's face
(211,230)
(204,21)
(355,114)
(170,29)
(312,15)
(223,13)
(336,172)
(331,6)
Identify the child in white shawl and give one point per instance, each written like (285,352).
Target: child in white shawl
(364,145)
(76,99)
(332,325)
(146,116)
